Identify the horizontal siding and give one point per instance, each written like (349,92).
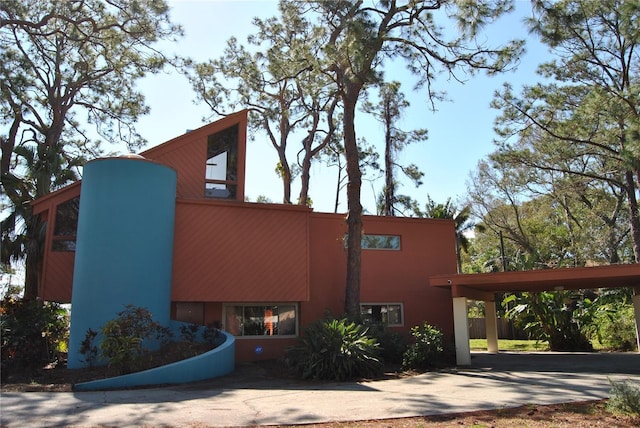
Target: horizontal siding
(240,253)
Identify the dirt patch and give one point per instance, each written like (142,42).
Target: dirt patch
(575,415)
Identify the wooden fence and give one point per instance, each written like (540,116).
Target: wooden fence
(506,329)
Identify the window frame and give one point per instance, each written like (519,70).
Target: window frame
(387,304)
(368,248)
(65,243)
(226,184)
(227,306)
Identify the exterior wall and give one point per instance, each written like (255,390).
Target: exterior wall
(58,276)
(57,268)
(230,252)
(427,248)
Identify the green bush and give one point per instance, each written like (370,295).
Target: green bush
(392,344)
(88,347)
(33,333)
(335,350)
(624,398)
(211,333)
(427,350)
(616,328)
(127,339)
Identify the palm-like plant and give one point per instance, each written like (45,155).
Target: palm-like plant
(461,219)
(336,350)
(22,233)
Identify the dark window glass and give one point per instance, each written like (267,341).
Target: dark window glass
(263,320)
(67,218)
(222,164)
(66,226)
(378,242)
(389,314)
(63,245)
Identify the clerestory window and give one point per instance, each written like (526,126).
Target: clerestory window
(378,242)
(66,226)
(222,164)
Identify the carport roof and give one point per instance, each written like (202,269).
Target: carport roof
(482,286)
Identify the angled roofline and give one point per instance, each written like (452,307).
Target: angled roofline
(54,198)
(205,130)
(65,193)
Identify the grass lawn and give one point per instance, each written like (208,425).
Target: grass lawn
(520,345)
(510,345)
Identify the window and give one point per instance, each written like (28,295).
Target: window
(389,314)
(66,226)
(261,320)
(378,242)
(222,164)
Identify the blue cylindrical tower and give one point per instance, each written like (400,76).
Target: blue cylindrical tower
(124,245)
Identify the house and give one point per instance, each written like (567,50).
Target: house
(169,230)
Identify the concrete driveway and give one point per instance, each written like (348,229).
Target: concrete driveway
(251,397)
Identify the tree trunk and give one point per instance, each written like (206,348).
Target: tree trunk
(31,278)
(354,216)
(634,215)
(286,183)
(34,256)
(305,177)
(389,190)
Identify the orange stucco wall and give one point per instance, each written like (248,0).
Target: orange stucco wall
(232,252)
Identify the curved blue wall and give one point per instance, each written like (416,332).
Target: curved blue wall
(124,245)
(215,363)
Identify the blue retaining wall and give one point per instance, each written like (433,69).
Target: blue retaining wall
(215,363)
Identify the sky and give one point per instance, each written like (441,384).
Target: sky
(460,130)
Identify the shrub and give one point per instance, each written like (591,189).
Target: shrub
(427,349)
(335,350)
(33,333)
(123,343)
(189,332)
(88,347)
(624,398)
(211,333)
(392,344)
(616,328)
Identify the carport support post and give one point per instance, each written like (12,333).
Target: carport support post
(636,311)
(461,331)
(491,326)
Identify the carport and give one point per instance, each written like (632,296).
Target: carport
(483,286)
